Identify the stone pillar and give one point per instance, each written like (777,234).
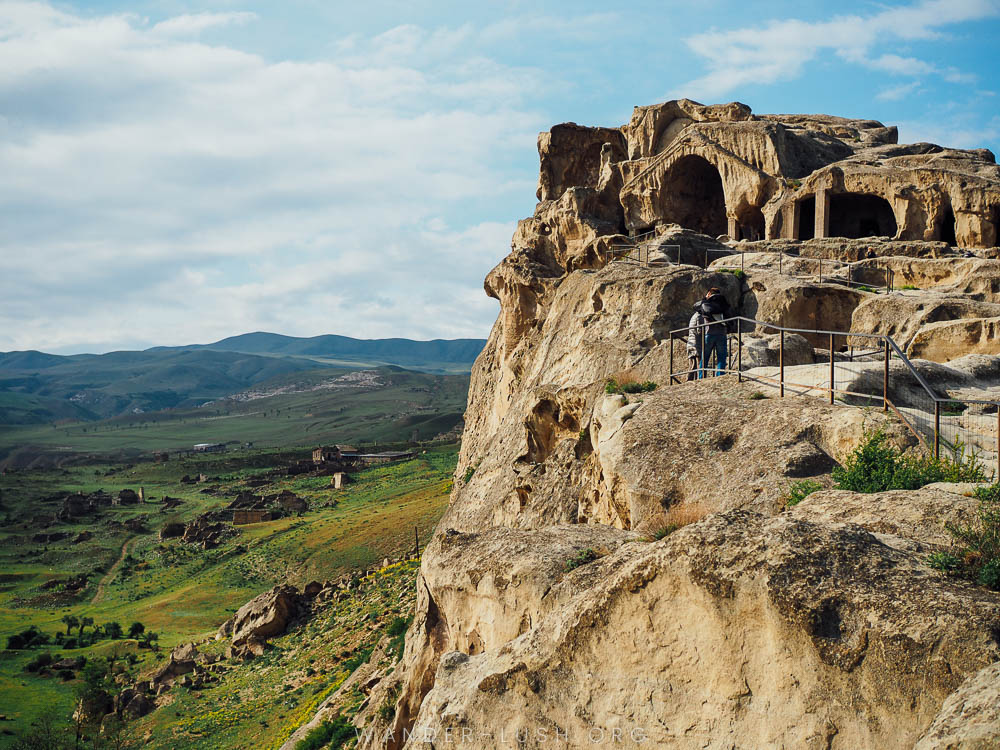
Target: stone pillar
(822,226)
(732,229)
(790,220)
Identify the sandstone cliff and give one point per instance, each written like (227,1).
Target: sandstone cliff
(546,611)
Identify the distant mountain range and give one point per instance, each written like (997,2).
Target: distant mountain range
(36,387)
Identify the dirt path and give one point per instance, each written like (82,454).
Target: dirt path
(99,594)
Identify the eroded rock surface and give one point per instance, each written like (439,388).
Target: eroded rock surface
(543,604)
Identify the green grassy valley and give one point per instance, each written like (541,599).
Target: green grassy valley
(112,566)
(306,408)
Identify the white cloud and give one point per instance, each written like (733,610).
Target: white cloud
(896,93)
(779,50)
(191,24)
(156,189)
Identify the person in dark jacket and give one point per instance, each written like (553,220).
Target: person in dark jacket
(714,307)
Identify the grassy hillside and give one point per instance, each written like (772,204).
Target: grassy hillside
(38,390)
(439,355)
(183,593)
(300,409)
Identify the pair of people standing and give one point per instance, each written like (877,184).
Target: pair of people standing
(705,328)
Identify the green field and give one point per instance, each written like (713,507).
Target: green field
(403,405)
(183,593)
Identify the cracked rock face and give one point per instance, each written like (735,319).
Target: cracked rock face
(546,614)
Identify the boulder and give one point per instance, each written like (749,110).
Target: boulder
(181,662)
(266,616)
(970,717)
(795,303)
(761,350)
(951,339)
(901,315)
(138,707)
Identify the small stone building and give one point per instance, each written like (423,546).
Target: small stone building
(241,517)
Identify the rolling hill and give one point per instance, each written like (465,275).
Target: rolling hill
(39,388)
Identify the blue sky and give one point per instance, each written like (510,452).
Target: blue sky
(175,172)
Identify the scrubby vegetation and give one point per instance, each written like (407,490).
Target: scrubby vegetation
(680,515)
(580,558)
(799,491)
(331,734)
(613,386)
(876,466)
(976,554)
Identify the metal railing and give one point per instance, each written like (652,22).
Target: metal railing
(858,369)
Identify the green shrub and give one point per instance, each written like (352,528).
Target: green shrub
(737,272)
(756,396)
(799,491)
(976,555)
(613,386)
(469,471)
(909,286)
(876,466)
(397,632)
(44,659)
(330,734)
(360,657)
(665,531)
(952,408)
(388,708)
(581,558)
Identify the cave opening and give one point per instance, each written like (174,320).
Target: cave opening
(854,215)
(946,232)
(750,224)
(807,218)
(694,198)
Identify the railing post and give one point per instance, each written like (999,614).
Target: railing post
(832,383)
(706,257)
(937,428)
(739,363)
(743,260)
(702,369)
(671,374)
(820,270)
(850,275)
(885,377)
(781,365)
(779,261)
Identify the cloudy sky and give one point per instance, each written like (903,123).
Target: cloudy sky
(175,172)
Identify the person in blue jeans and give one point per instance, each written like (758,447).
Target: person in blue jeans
(714,308)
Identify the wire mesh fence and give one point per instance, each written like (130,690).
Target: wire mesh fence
(861,370)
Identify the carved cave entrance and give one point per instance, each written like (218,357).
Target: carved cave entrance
(694,198)
(946,231)
(807,218)
(855,215)
(750,224)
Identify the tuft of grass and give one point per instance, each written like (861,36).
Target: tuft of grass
(737,272)
(581,558)
(756,396)
(680,515)
(799,491)
(976,554)
(909,287)
(876,466)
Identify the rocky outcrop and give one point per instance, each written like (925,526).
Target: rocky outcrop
(949,339)
(970,717)
(902,315)
(737,631)
(544,606)
(263,617)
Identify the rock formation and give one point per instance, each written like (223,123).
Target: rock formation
(545,608)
